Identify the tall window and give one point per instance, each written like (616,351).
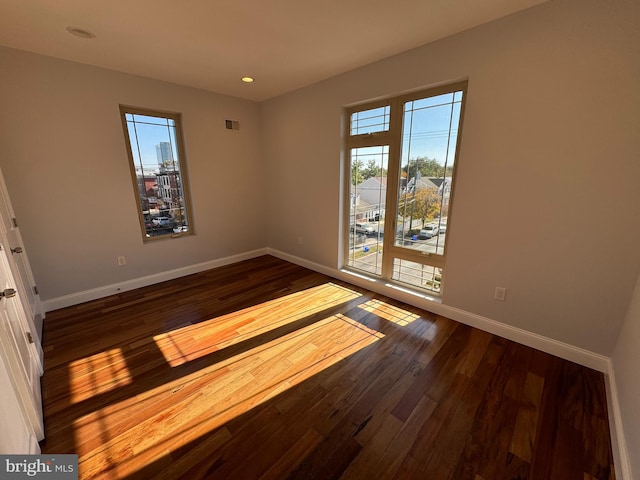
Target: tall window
(402,160)
(158,170)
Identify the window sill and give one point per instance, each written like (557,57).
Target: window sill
(383,286)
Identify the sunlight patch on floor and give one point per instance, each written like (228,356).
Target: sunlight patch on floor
(204,338)
(201,402)
(99,373)
(394,314)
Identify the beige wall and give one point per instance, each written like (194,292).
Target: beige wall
(626,359)
(64,159)
(548,199)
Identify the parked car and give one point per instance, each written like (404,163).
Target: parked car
(363,229)
(429,231)
(163,222)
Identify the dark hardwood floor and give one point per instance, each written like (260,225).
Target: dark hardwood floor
(264,369)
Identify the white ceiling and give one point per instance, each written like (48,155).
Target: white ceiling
(211,44)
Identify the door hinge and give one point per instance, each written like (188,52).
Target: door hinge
(29,337)
(15,223)
(35,290)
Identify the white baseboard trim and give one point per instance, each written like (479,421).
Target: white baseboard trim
(105,291)
(426,302)
(616,427)
(433,304)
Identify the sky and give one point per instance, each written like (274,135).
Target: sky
(149,132)
(426,126)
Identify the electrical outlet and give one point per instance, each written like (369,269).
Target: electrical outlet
(122,260)
(500,294)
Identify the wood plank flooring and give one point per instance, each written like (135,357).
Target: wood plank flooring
(266,370)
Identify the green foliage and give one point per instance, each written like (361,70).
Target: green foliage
(356,172)
(428,167)
(373,170)
(359,253)
(360,172)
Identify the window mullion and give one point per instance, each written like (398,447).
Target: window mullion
(391,208)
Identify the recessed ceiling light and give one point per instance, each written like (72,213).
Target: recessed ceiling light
(248,79)
(81,32)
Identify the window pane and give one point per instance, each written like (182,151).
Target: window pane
(429,137)
(366,215)
(418,145)
(417,274)
(159,178)
(370,121)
